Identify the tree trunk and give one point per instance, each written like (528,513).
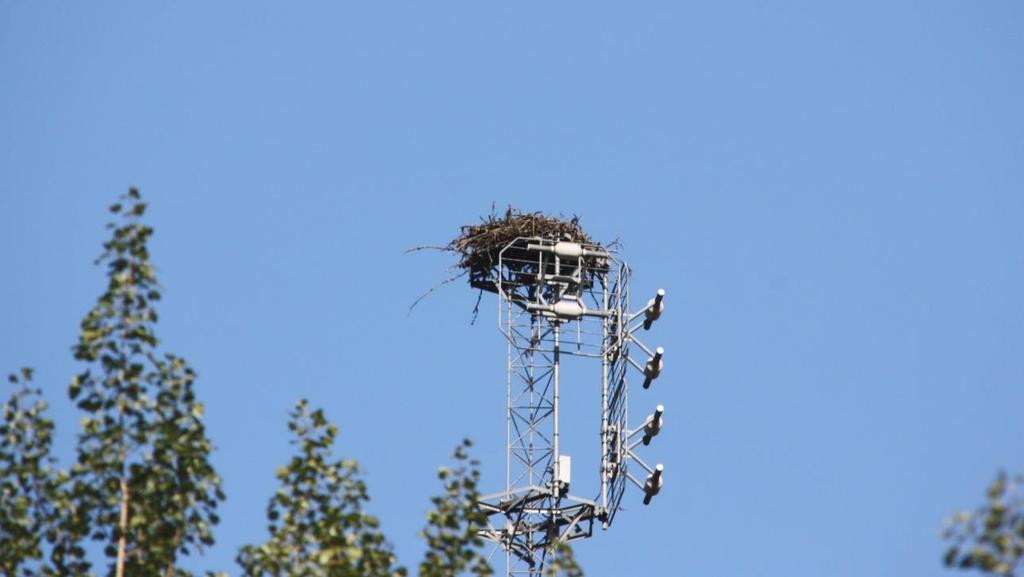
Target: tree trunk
(122,540)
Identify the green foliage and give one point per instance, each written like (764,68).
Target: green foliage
(561,562)
(36,510)
(143,488)
(990,539)
(316,520)
(453,544)
(27,478)
(143,485)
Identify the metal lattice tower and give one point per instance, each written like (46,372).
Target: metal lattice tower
(563,298)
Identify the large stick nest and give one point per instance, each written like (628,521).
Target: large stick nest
(479,245)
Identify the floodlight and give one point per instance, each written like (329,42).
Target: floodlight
(653,367)
(654,309)
(653,484)
(653,426)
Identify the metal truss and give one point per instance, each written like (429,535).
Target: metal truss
(562,298)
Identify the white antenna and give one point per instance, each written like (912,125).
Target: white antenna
(563,298)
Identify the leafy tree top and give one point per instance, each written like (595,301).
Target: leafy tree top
(317,523)
(991,538)
(27,478)
(143,485)
(453,543)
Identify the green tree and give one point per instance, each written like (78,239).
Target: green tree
(143,487)
(453,544)
(37,513)
(27,477)
(143,484)
(317,523)
(991,538)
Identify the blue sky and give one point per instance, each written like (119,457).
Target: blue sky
(831,194)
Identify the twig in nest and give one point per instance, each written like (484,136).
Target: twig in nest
(434,288)
(476,307)
(427,247)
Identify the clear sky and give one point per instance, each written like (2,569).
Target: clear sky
(831,193)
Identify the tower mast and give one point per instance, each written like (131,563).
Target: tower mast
(559,297)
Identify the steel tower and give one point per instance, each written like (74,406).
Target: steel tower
(558,297)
